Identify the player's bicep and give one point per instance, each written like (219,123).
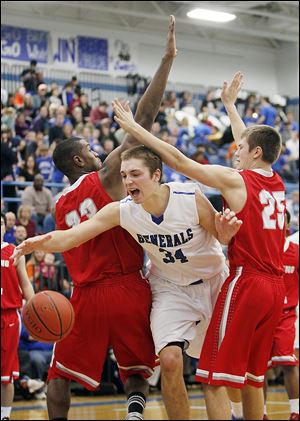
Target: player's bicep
(215,176)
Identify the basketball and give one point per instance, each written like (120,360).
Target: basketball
(48,316)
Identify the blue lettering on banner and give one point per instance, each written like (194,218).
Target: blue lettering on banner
(92,53)
(65,51)
(24,44)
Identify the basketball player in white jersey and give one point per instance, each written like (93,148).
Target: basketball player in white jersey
(177,226)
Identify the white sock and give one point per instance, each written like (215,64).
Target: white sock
(265,409)
(5,411)
(237,409)
(294,405)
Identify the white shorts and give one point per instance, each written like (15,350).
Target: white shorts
(183,313)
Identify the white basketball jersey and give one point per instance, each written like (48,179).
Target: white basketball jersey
(181,251)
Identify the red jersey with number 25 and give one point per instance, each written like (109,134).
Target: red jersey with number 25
(111,253)
(258,245)
(11,294)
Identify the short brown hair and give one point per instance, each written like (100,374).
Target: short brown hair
(150,158)
(267,138)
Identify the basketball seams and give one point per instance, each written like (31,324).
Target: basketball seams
(28,327)
(60,322)
(47,328)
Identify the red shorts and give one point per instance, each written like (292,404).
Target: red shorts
(283,343)
(115,313)
(239,339)
(10,334)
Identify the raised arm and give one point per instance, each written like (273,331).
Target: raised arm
(222,178)
(63,240)
(229,96)
(146,112)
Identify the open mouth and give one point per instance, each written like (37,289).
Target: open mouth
(134,193)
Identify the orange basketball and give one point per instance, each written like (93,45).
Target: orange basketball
(48,316)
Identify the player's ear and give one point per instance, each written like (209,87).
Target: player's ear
(157,175)
(258,152)
(78,161)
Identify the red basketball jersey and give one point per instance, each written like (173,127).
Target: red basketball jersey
(11,294)
(111,253)
(259,242)
(291,275)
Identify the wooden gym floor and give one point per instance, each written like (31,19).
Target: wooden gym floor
(114,407)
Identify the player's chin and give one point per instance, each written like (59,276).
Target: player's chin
(137,199)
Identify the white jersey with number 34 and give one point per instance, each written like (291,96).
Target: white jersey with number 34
(180,249)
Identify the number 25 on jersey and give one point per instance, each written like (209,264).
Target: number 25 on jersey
(273,213)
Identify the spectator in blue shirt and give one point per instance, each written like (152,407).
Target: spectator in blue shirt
(45,163)
(39,353)
(267,113)
(9,236)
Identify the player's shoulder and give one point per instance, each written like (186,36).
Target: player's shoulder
(7,246)
(77,187)
(178,188)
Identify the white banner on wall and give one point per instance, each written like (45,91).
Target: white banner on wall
(63,51)
(122,57)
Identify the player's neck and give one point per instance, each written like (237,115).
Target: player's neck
(158,202)
(261,165)
(74,177)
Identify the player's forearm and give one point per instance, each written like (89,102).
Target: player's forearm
(28,291)
(237,124)
(60,241)
(150,102)
(168,153)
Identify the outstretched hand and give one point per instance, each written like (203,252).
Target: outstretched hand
(123,115)
(230,92)
(227,225)
(171,50)
(28,246)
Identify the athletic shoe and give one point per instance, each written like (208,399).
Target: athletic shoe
(134,416)
(294,416)
(34,385)
(233,417)
(265,417)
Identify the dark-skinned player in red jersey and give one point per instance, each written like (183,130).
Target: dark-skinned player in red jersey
(111,298)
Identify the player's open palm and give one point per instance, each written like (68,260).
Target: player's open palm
(230,91)
(227,225)
(123,115)
(171,42)
(29,245)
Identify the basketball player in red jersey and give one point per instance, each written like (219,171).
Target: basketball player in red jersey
(14,285)
(111,299)
(239,339)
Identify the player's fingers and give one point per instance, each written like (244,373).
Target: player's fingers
(232,221)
